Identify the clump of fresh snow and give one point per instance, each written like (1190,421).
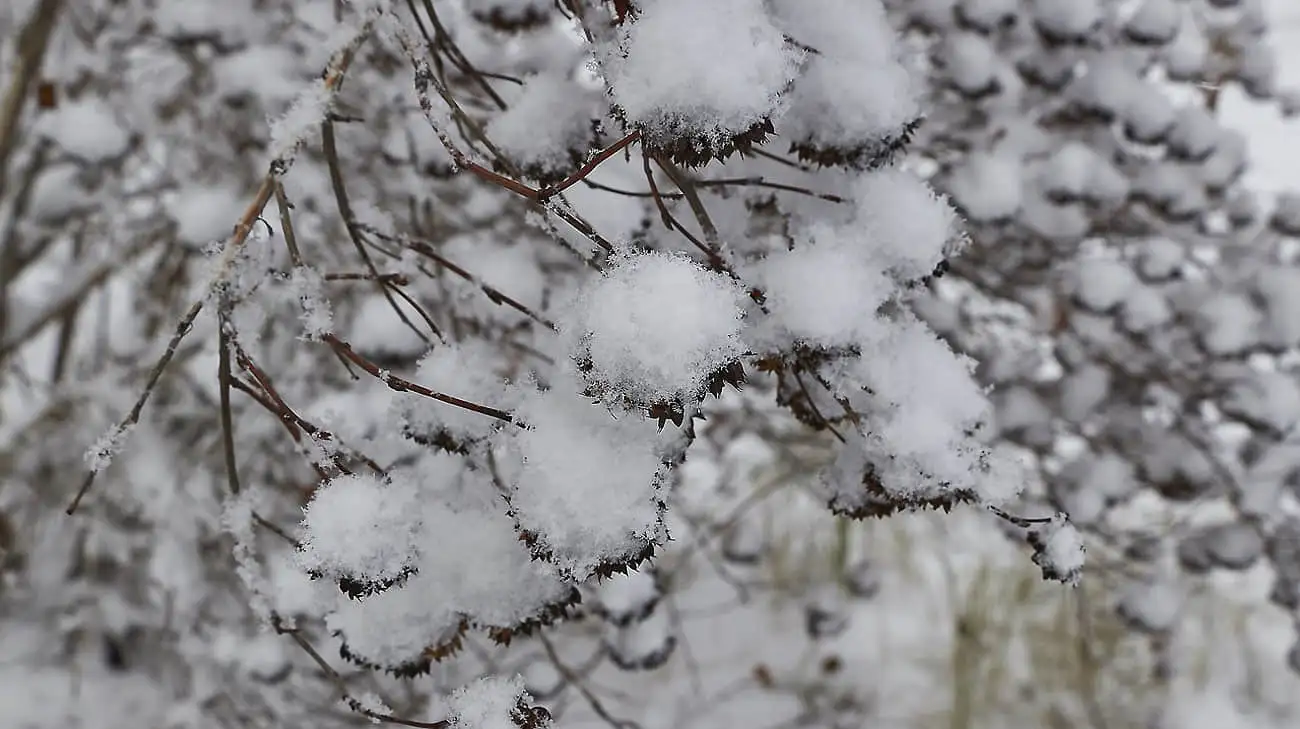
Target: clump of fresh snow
(1187,55)
(547,120)
(486,703)
(628,598)
(822,293)
(855,90)
(656,326)
(394,628)
(1067,18)
(1271,399)
(462,525)
(1145,308)
(925,402)
(1153,606)
(588,485)
(204,213)
(1227,323)
(1155,21)
(988,186)
(465,526)
(907,226)
(89,130)
(360,527)
(704,70)
(971,62)
(1101,284)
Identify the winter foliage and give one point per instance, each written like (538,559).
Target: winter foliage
(419,355)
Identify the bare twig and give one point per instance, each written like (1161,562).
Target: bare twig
(397,384)
(243,228)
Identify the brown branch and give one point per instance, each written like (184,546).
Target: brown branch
(424,78)
(288,414)
(589,167)
(397,384)
(243,228)
(428,251)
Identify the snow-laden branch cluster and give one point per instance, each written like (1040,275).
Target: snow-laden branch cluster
(396,324)
(574,485)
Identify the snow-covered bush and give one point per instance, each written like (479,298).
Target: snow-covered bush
(390,330)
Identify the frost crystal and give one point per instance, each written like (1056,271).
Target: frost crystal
(100,455)
(317,317)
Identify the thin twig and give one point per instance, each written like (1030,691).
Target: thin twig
(243,228)
(573,679)
(589,167)
(397,384)
(349,223)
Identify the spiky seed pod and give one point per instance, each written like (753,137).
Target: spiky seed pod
(694,151)
(546,617)
(418,666)
(358,588)
(512,17)
(867,155)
